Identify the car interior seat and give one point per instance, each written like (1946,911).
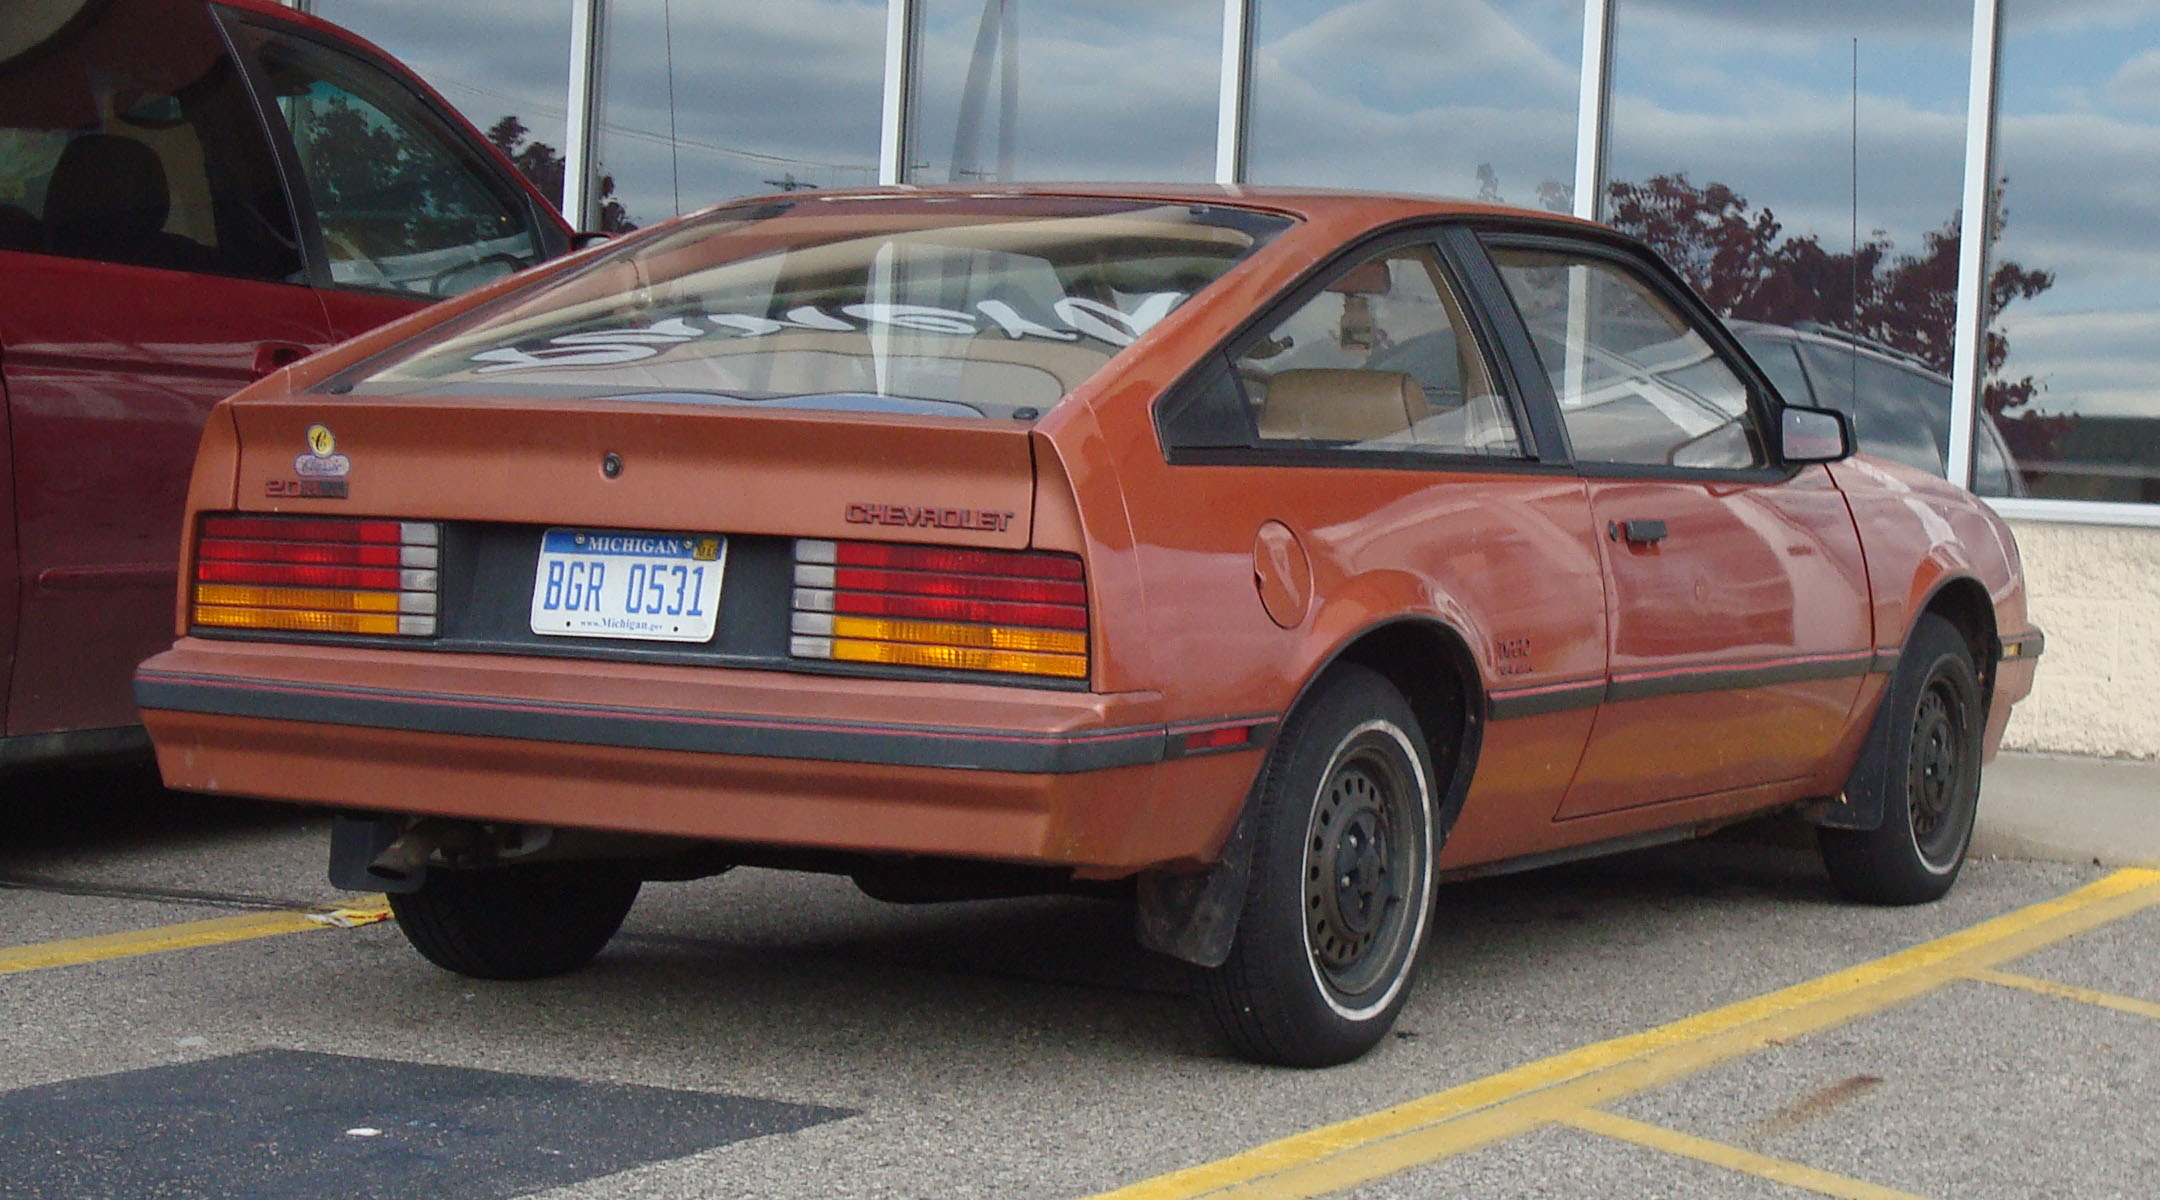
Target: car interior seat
(108,199)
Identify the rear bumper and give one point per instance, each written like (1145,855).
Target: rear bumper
(1097,782)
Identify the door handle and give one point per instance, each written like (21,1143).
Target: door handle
(274,356)
(1640,533)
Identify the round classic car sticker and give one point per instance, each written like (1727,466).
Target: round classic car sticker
(322,461)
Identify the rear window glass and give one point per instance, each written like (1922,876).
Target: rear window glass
(936,305)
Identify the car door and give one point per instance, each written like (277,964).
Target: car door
(401,202)
(1361,444)
(151,269)
(1738,612)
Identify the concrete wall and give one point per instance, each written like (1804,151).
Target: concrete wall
(2095,590)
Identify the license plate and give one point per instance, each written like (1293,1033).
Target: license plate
(626,583)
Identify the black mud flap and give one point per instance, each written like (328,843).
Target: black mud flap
(357,841)
(1860,804)
(1193,916)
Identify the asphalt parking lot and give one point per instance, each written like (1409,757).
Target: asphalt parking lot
(1699,1021)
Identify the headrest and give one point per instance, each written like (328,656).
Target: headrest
(105,189)
(1339,405)
(1365,279)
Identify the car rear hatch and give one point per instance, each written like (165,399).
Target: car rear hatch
(641,531)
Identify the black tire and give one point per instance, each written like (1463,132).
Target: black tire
(515,922)
(1932,792)
(1341,891)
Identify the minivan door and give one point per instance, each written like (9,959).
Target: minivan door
(152,269)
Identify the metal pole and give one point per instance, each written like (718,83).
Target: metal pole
(1976,224)
(903,35)
(581,152)
(1593,108)
(1233,109)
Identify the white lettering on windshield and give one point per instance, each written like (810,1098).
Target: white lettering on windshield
(610,347)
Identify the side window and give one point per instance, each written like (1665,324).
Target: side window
(1898,414)
(1637,383)
(130,139)
(1781,362)
(403,203)
(1382,359)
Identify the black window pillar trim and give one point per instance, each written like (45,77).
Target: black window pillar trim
(1525,374)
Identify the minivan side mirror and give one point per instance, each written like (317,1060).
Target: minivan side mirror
(1814,435)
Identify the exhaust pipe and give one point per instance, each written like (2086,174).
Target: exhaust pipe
(404,861)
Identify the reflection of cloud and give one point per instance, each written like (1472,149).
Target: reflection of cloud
(2137,85)
(1415,95)
(1836,20)
(762,92)
(1103,95)
(489,58)
(2099,363)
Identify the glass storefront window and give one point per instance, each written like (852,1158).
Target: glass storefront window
(1455,97)
(505,68)
(2073,371)
(1125,89)
(1803,166)
(764,98)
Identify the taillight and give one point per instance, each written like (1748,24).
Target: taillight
(317,575)
(1021,613)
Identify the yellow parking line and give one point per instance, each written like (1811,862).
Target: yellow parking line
(189,936)
(1514,1102)
(2067,991)
(1672,1141)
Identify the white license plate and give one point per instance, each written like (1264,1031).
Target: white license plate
(626,583)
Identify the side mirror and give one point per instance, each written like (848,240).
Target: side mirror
(1814,435)
(589,237)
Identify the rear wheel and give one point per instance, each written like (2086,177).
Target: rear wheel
(1932,794)
(1341,889)
(524,922)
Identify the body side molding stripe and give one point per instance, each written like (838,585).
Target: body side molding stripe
(1710,677)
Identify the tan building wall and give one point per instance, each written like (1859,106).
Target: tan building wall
(2095,590)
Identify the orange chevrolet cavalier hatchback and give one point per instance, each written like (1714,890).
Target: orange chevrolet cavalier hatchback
(1268,556)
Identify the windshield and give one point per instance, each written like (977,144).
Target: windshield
(939,305)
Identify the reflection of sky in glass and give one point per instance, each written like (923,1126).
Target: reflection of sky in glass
(766,96)
(1758,95)
(1111,89)
(488,59)
(2079,142)
(1416,95)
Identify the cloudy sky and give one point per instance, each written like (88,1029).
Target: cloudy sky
(1416,95)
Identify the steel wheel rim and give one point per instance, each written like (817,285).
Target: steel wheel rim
(1936,769)
(1363,883)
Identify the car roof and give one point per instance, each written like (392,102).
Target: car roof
(1339,211)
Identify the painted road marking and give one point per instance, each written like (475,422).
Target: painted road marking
(1672,1141)
(218,932)
(2066,991)
(1506,1105)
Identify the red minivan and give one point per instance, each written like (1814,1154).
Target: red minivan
(192,195)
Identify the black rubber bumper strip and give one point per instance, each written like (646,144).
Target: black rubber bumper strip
(898,745)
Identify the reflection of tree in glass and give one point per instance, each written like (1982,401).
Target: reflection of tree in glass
(384,192)
(539,163)
(1739,259)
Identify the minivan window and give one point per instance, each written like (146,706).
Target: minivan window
(954,306)
(403,204)
(132,139)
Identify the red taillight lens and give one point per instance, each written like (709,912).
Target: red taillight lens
(1022,613)
(317,575)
